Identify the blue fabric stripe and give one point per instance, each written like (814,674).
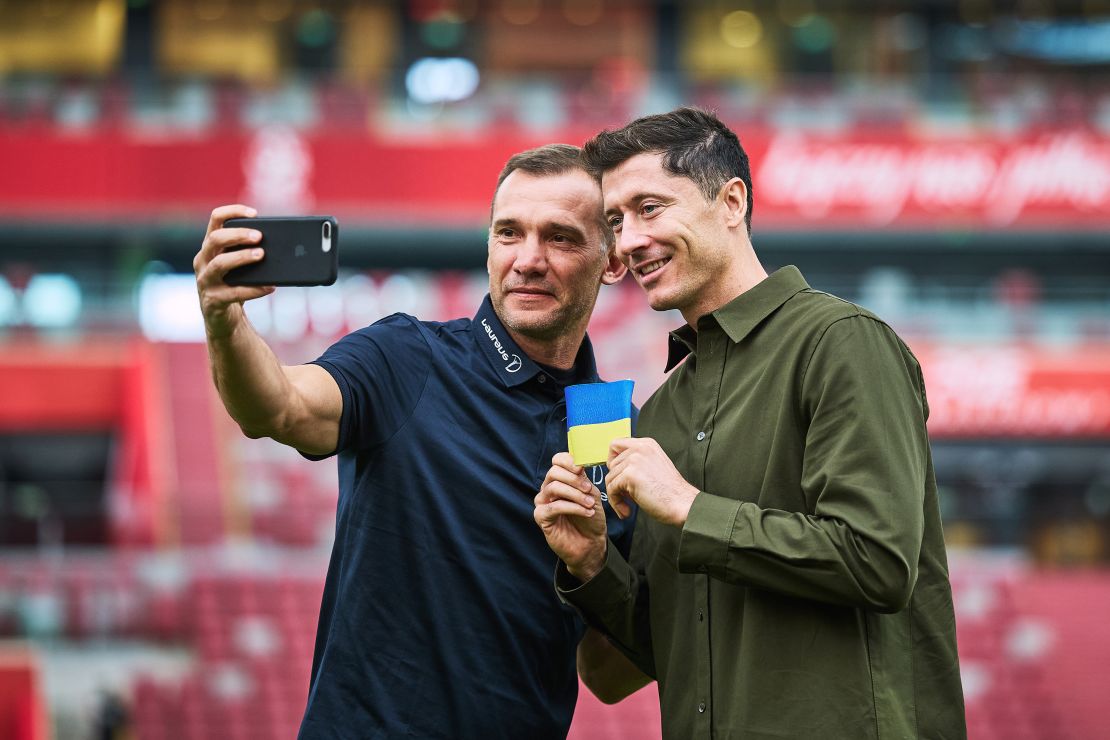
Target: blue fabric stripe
(597,403)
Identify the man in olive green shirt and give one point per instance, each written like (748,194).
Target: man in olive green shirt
(788,577)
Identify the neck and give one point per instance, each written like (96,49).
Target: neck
(744,273)
(558,352)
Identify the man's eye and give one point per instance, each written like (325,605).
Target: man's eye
(615,223)
(506,233)
(650,208)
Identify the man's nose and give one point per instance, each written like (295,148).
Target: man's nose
(531,257)
(630,239)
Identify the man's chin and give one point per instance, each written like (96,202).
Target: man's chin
(660,300)
(537,324)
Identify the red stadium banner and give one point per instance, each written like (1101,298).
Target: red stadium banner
(1017,390)
(856,179)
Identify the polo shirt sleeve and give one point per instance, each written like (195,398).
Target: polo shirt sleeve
(865,466)
(381,371)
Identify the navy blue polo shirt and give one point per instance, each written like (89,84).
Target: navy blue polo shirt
(439,619)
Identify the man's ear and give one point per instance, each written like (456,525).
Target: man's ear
(614,269)
(734,197)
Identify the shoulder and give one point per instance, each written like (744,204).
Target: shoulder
(843,333)
(821,316)
(404,329)
(820,309)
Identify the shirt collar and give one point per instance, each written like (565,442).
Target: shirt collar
(742,314)
(510,362)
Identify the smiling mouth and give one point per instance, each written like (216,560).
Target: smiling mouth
(650,267)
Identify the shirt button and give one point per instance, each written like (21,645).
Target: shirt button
(543,378)
(701,707)
(701,436)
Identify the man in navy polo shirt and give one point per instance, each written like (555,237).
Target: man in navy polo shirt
(438,618)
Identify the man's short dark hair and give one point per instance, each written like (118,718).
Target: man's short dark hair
(694,144)
(547,161)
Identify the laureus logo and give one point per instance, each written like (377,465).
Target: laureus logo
(513,364)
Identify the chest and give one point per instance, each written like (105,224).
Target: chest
(733,422)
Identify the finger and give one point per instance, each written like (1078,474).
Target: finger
(236,294)
(558,490)
(618,486)
(577,480)
(618,450)
(228,240)
(617,463)
(223,213)
(218,267)
(548,514)
(617,500)
(566,460)
(619,445)
(621,508)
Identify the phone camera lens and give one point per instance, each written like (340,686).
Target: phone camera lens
(327,230)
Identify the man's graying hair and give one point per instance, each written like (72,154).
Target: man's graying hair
(694,144)
(547,161)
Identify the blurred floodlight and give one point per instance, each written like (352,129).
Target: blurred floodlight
(1062,42)
(432,80)
(9,307)
(169,310)
(741,29)
(52,301)
(443,31)
(316,29)
(816,34)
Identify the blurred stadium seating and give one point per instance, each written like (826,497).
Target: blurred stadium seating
(946,164)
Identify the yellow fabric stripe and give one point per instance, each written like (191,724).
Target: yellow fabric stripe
(589,443)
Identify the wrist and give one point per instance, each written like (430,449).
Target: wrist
(586,569)
(221,324)
(685,503)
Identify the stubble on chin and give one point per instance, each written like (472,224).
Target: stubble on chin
(546,326)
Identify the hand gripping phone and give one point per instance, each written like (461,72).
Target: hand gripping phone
(300,250)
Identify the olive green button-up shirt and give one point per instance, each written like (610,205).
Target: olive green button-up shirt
(807,595)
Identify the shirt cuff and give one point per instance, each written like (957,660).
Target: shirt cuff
(607,588)
(707,534)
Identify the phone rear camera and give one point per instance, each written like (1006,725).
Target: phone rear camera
(327,230)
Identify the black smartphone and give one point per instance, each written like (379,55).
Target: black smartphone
(300,250)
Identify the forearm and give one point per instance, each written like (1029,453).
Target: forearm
(615,601)
(803,556)
(254,388)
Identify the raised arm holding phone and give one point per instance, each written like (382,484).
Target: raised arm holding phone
(437,618)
